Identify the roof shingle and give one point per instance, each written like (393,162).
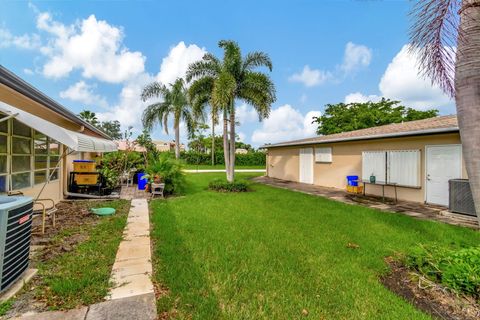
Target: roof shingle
(417,127)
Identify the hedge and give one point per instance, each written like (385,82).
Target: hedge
(249,159)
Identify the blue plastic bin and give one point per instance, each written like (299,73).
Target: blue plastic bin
(352,181)
(142,183)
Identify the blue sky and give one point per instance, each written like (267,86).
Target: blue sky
(97,55)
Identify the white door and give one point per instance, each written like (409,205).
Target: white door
(306,165)
(442,164)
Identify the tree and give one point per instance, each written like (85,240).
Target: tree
(200,93)
(112,128)
(343,117)
(90,117)
(234,78)
(441,26)
(175,103)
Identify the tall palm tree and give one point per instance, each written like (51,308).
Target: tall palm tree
(200,93)
(446,34)
(234,78)
(175,103)
(90,117)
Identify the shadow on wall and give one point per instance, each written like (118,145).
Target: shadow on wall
(284,167)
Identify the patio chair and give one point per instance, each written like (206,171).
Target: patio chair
(126,178)
(48,208)
(157,189)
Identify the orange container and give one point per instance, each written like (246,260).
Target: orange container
(84,166)
(86,179)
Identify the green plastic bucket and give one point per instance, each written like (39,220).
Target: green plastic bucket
(103,211)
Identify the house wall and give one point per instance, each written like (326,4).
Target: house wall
(347,160)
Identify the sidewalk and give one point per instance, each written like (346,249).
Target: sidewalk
(222,170)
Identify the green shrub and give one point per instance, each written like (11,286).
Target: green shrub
(5,306)
(225,186)
(169,171)
(256,158)
(457,269)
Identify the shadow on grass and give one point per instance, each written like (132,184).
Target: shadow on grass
(187,293)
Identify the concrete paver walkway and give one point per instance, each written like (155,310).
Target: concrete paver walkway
(222,170)
(132,269)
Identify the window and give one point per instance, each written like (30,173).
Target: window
(404,167)
(46,157)
(27,157)
(401,167)
(323,155)
(374,163)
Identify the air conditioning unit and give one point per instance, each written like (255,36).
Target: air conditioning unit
(15,234)
(461,200)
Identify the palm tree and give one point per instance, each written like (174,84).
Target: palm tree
(175,102)
(234,78)
(200,93)
(90,117)
(446,34)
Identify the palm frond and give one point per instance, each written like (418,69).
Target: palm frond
(202,68)
(154,114)
(224,88)
(257,59)
(232,59)
(433,36)
(154,90)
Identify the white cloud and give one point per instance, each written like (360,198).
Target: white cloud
(359,97)
(285,123)
(355,57)
(401,81)
(92,46)
(176,63)
(310,77)
(241,136)
(245,114)
(83,92)
(28,71)
(7,39)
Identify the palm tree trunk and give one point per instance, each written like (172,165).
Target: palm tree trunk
(226,153)
(213,139)
(177,141)
(467,93)
(231,168)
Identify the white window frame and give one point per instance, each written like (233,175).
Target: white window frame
(323,155)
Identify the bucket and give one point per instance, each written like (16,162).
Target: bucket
(142,183)
(352,181)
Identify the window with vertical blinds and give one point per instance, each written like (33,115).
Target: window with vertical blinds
(374,163)
(404,167)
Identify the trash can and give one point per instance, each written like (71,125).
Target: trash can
(142,183)
(352,181)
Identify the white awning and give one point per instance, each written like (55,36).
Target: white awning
(73,140)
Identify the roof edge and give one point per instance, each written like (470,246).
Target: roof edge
(16,83)
(369,137)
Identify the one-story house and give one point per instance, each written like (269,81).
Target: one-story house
(419,157)
(39,139)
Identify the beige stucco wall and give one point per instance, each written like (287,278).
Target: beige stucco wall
(283,163)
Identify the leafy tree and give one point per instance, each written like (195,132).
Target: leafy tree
(446,35)
(230,79)
(112,128)
(343,117)
(145,140)
(90,117)
(175,103)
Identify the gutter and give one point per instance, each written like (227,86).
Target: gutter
(370,137)
(14,82)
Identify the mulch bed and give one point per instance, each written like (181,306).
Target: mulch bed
(431,298)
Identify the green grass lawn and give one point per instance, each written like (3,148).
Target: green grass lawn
(219,166)
(272,253)
(82,276)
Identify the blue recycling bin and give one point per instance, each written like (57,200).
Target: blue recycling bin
(142,183)
(352,181)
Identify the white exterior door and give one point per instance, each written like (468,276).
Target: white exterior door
(306,165)
(442,164)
